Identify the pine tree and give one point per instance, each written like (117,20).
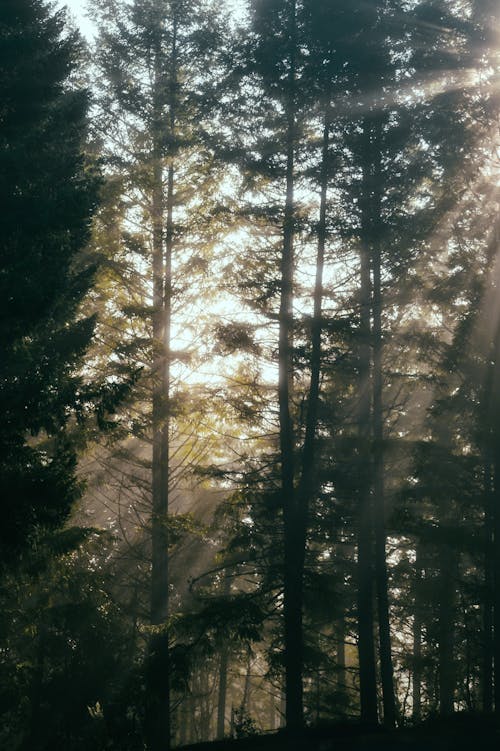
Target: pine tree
(389,148)
(48,192)
(159,63)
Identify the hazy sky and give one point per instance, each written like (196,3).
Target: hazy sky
(77,9)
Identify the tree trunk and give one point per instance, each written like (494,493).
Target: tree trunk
(417,644)
(491,618)
(35,691)
(158,669)
(365,588)
(341,657)
(245,699)
(496,583)
(487,678)
(292,575)
(282,710)
(157,672)
(446,630)
(221,702)
(223,667)
(307,485)
(183,722)
(386,669)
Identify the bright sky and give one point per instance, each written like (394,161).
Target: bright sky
(78,11)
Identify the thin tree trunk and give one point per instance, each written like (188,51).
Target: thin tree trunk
(282,710)
(307,484)
(245,699)
(232,727)
(381,579)
(341,656)
(346,552)
(307,481)
(365,588)
(496,583)
(487,678)
(221,702)
(158,672)
(446,630)
(491,416)
(205,708)
(292,604)
(35,691)
(192,735)
(158,726)
(223,667)
(183,722)
(417,644)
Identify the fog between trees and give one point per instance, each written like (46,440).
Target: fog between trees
(249,453)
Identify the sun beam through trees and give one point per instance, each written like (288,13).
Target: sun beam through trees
(249,374)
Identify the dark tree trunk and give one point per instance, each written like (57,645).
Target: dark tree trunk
(245,699)
(381,578)
(183,722)
(365,591)
(372,232)
(491,620)
(282,710)
(293,535)
(158,667)
(307,484)
(157,696)
(487,677)
(341,657)
(36,693)
(221,701)
(417,643)
(365,583)
(496,583)
(223,667)
(446,630)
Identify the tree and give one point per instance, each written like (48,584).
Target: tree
(272,82)
(394,156)
(67,669)
(158,63)
(49,193)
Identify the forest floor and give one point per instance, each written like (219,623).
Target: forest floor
(460,732)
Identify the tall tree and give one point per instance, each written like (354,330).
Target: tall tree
(159,66)
(275,63)
(49,193)
(275,68)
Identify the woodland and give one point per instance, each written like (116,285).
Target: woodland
(250,375)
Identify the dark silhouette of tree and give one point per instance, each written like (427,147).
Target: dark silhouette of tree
(49,193)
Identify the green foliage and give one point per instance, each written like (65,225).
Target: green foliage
(399,91)
(230,618)
(48,192)
(67,648)
(244,726)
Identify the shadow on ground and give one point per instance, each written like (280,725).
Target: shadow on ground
(460,732)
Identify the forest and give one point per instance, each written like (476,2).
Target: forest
(250,375)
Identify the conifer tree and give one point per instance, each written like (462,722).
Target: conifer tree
(159,65)
(48,192)
(273,76)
